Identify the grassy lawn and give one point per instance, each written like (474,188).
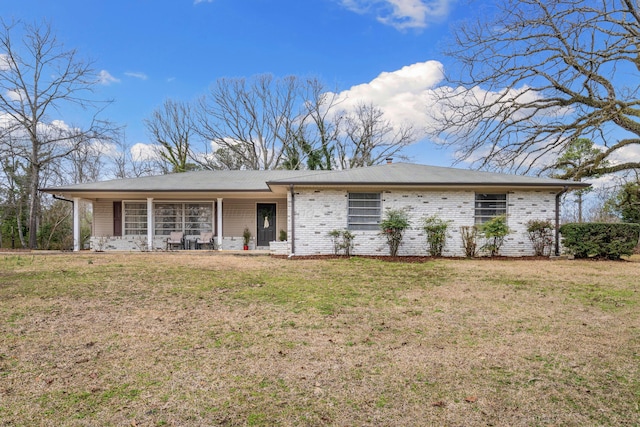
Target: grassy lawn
(201,339)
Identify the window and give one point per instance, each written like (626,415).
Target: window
(135,219)
(190,218)
(168,218)
(198,218)
(364,211)
(489,206)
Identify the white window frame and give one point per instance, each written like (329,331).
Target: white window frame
(497,203)
(141,229)
(185,226)
(358,217)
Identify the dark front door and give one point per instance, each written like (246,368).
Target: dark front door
(266,223)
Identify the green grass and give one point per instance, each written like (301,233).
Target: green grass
(193,339)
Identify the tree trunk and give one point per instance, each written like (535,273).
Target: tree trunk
(34,207)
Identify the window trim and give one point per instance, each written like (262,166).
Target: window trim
(125,216)
(183,203)
(364,225)
(499,210)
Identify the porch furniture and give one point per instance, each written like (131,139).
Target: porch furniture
(176,238)
(205,239)
(190,242)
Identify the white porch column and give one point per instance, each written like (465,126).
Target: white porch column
(76,224)
(219,222)
(150,223)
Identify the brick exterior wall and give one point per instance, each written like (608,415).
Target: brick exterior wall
(320,211)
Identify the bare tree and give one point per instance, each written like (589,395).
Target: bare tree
(369,138)
(540,74)
(39,77)
(318,130)
(172,127)
(250,120)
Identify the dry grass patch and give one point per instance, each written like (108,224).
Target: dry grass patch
(202,339)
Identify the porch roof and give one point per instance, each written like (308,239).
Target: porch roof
(199,181)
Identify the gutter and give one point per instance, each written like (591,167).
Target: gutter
(293,222)
(557,237)
(61,198)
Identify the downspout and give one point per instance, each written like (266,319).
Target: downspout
(293,222)
(564,190)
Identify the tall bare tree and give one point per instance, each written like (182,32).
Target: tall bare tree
(39,77)
(250,120)
(369,138)
(172,127)
(540,74)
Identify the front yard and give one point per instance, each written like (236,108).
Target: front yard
(209,339)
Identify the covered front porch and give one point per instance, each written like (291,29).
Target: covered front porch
(144,224)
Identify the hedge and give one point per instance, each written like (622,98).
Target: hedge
(601,240)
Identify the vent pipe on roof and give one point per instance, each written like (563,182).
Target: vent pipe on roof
(389,160)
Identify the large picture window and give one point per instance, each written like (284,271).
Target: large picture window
(190,218)
(167,218)
(135,218)
(364,211)
(489,206)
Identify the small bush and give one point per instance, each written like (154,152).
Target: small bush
(600,240)
(342,241)
(393,228)
(541,235)
(494,230)
(469,234)
(436,230)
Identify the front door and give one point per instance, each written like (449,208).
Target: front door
(266,223)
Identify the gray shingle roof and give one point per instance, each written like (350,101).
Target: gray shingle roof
(225,180)
(398,174)
(395,174)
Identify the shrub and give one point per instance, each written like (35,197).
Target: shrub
(436,230)
(393,228)
(494,230)
(469,234)
(342,241)
(541,235)
(600,240)
(283,236)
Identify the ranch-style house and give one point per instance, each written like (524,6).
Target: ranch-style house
(292,212)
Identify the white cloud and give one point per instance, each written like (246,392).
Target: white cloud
(142,152)
(105,78)
(4,62)
(141,76)
(402,14)
(403,95)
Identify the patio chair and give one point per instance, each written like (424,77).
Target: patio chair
(205,239)
(176,238)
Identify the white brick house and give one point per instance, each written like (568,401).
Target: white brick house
(305,206)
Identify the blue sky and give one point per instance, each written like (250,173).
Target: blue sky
(386,51)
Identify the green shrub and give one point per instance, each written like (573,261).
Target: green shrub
(541,235)
(600,240)
(494,230)
(393,227)
(436,230)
